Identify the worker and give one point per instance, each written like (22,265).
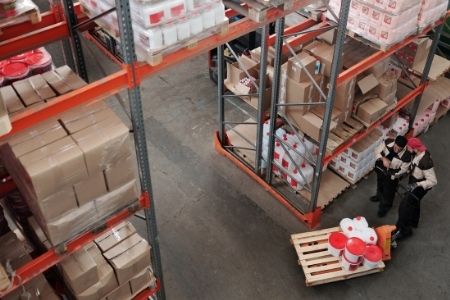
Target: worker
(393,161)
(422,178)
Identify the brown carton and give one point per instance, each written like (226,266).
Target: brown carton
(115,236)
(41,87)
(123,292)
(85,121)
(128,257)
(311,125)
(12,101)
(79,271)
(53,166)
(56,82)
(141,281)
(90,188)
(35,142)
(297,93)
(103,144)
(121,172)
(57,204)
(367,84)
(328,36)
(82,111)
(371,110)
(324,53)
(117,199)
(380,68)
(336,114)
(70,78)
(345,95)
(26,92)
(296,72)
(33,132)
(234,71)
(387,85)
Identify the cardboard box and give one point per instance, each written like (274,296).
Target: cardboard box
(380,68)
(336,114)
(70,78)
(26,92)
(367,84)
(234,71)
(12,101)
(84,121)
(123,292)
(328,36)
(108,281)
(324,53)
(56,82)
(103,144)
(40,86)
(79,271)
(90,188)
(82,111)
(55,165)
(121,172)
(255,54)
(57,204)
(387,85)
(141,281)
(311,125)
(36,130)
(371,110)
(345,95)
(115,236)
(54,133)
(295,71)
(117,199)
(129,257)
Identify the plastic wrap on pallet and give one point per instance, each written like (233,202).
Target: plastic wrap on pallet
(431,11)
(73,171)
(11,11)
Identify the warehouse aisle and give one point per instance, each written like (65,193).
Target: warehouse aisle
(223,237)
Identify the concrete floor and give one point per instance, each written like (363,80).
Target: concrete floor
(223,237)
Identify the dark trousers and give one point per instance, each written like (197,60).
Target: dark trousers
(409,210)
(386,188)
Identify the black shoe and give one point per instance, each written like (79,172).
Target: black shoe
(374,199)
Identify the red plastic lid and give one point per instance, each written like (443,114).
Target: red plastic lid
(15,69)
(373,253)
(18,58)
(38,57)
(3,63)
(356,246)
(337,240)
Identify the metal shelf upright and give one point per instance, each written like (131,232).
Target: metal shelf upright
(307,210)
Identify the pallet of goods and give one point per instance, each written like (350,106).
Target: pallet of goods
(162,27)
(73,171)
(18,11)
(339,253)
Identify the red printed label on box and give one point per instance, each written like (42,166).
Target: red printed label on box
(176,11)
(156,17)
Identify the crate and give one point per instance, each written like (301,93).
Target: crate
(318,265)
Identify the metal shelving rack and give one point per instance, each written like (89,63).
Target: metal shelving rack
(59,24)
(305,209)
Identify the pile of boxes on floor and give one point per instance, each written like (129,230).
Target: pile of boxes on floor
(159,25)
(73,171)
(386,22)
(292,154)
(356,245)
(358,160)
(13,255)
(115,266)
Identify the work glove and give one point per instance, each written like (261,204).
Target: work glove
(411,187)
(393,177)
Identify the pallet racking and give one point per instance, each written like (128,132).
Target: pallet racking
(305,205)
(66,22)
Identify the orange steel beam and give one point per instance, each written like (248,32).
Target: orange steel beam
(308,23)
(95,91)
(310,219)
(102,48)
(47,260)
(358,136)
(33,40)
(380,55)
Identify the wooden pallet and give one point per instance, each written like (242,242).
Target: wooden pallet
(318,265)
(343,133)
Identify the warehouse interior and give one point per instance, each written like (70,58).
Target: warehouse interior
(221,235)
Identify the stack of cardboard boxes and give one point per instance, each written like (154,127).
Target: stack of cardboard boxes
(114,267)
(13,255)
(358,160)
(74,171)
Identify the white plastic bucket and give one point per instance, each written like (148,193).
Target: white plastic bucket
(348,265)
(336,243)
(354,249)
(360,223)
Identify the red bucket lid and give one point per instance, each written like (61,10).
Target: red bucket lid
(18,58)
(373,253)
(356,246)
(337,240)
(37,58)
(15,69)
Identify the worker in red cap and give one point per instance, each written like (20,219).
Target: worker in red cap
(422,178)
(393,160)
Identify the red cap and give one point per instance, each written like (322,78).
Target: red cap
(356,246)
(415,143)
(337,240)
(373,253)
(15,69)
